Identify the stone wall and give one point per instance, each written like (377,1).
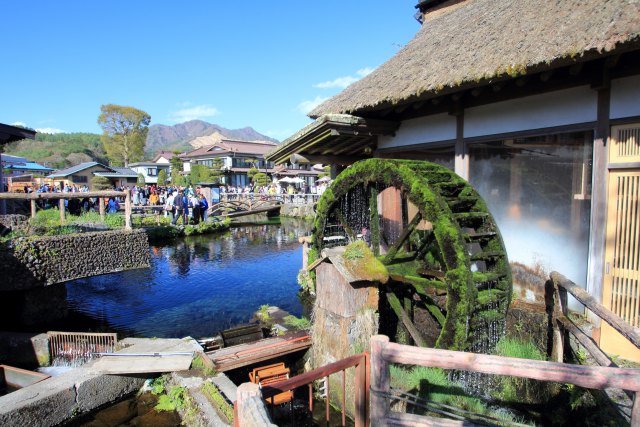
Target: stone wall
(298,211)
(341,328)
(14,222)
(39,261)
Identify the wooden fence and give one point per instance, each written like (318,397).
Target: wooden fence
(384,353)
(361,364)
(100,195)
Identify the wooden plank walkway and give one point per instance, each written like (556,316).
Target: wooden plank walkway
(241,355)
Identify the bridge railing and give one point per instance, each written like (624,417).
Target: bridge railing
(296,199)
(61,197)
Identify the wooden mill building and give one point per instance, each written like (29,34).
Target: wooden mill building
(537,104)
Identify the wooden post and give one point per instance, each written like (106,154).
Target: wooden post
(33,208)
(101,208)
(635,411)
(361,397)
(127,211)
(61,207)
(380,383)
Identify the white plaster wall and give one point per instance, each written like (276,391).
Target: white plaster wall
(563,107)
(625,97)
(423,130)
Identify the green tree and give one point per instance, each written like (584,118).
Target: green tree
(176,169)
(203,173)
(141,179)
(260,180)
(162,177)
(100,183)
(124,132)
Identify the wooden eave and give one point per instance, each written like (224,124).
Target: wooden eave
(332,139)
(13,133)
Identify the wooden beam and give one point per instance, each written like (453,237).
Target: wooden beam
(576,69)
(546,76)
(403,237)
(587,342)
(396,306)
(323,159)
(626,330)
(583,376)
(477,91)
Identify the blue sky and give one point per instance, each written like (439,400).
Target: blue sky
(235,63)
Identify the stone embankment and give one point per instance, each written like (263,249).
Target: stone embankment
(298,211)
(32,262)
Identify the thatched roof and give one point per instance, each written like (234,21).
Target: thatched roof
(479,41)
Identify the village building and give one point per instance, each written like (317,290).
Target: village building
(163,157)
(234,158)
(82,173)
(537,105)
(150,170)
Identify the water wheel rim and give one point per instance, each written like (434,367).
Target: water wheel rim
(470,303)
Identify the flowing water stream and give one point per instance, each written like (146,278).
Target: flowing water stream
(197,286)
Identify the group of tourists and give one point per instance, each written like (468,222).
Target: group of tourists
(184,205)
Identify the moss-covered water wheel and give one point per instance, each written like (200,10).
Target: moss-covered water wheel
(449,252)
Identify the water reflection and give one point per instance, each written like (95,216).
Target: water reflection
(199,285)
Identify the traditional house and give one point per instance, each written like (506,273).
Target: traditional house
(163,157)
(537,105)
(235,158)
(82,173)
(150,170)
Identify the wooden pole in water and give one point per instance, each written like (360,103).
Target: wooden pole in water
(33,208)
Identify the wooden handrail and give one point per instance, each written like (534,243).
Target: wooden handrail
(359,361)
(618,323)
(384,353)
(75,195)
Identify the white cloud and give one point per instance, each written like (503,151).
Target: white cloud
(280,135)
(305,106)
(363,72)
(50,130)
(344,81)
(22,124)
(196,112)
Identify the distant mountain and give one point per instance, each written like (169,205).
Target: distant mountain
(187,135)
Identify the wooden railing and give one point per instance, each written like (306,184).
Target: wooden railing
(558,289)
(360,362)
(296,199)
(384,353)
(100,195)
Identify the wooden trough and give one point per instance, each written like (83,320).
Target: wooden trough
(237,356)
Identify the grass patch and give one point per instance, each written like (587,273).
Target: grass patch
(297,323)
(521,390)
(219,402)
(433,385)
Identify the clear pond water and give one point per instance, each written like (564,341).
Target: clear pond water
(197,286)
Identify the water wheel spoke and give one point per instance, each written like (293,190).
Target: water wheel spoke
(463,245)
(391,253)
(345,224)
(396,306)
